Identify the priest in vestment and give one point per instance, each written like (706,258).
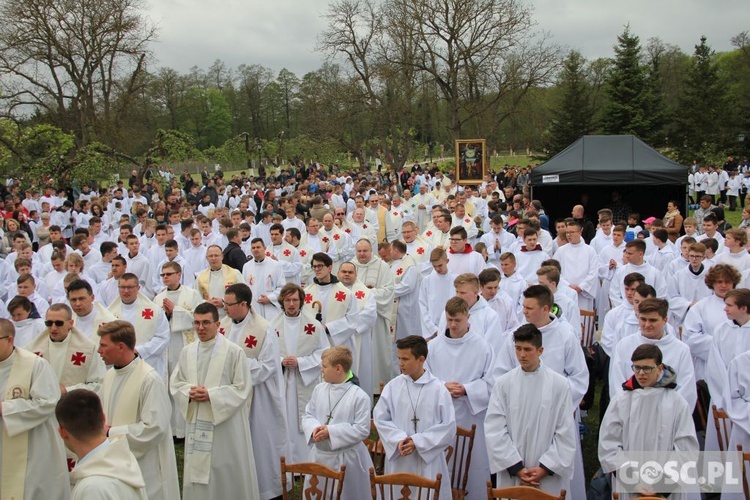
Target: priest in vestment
(405,292)
(376,276)
(415,418)
(361,229)
(150,322)
(340,246)
(531,440)
(439,236)
(88,313)
(302,340)
(252,333)
(580,266)
(136,403)
(178,303)
(366,316)
(285,254)
(212,387)
(212,281)
(463,360)
(417,247)
(265,277)
(32,455)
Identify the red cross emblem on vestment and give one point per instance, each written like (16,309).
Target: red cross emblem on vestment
(340,296)
(348,230)
(399,271)
(308,298)
(364,226)
(302,253)
(268,254)
(71,464)
(336,236)
(420,250)
(147,313)
(78,358)
(325,239)
(287,252)
(38,353)
(250,341)
(428,233)
(222,331)
(309,329)
(360,294)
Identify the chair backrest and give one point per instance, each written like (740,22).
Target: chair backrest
(745,471)
(723,427)
(404,486)
(320,482)
(460,460)
(375,449)
(521,493)
(588,327)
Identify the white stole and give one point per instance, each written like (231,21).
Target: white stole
(79,355)
(16,448)
(145,319)
(126,410)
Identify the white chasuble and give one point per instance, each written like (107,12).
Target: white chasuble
(75,360)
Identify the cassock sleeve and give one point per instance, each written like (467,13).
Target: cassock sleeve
(615,288)
(21,415)
(560,456)
(228,398)
(180,384)
(576,371)
(590,283)
(618,370)
(610,434)
(267,363)
(310,419)
(505,359)
(695,333)
(154,347)
(388,432)
(408,283)
(478,390)
(737,392)
(343,328)
(428,327)
(503,454)
(153,418)
(366,316)
(292,267)
(345,434)
(432,442)
(686,377)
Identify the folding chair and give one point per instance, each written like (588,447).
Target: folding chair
(588,327)
(404,486)
(319,475)
(460,461)
(521,493)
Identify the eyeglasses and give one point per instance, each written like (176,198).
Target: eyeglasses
(6,337)
(57,323)
(229,304)
(164,275)
(319,266)
(644,369)
(204,323)
(695,256)
(127,287)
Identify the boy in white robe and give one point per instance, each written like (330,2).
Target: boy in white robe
(734,250)
(27,328)
(28,393)
(610,257)
(549,277)
(434,291)
(512,283)
(688,285)
(737,400)
(462,360)
(106,468)
(135,401)
(634,252)
(648,415)
(506,310)
(580,266)
(529,256)
(415,418)
(544,457)
(405,291)
(337,420)
(212,387)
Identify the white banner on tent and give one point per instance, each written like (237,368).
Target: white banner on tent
(550,178)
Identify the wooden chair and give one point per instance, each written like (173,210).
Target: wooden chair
(460,461)
(331,481)
(588,327)
(745,471)
(375,449)
(723,427)
(521,493)
(404,486)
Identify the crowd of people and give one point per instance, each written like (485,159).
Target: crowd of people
(255,319)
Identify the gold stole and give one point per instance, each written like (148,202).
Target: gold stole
(334,309)
(145,321)
(16,448)
(188,335)
(126,409)
(308,339)
(398,275)
(78,357)
(382,212)
(251,337)
(101,316)
(203,280)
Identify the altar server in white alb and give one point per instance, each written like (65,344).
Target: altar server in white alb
(252,333)
(136,404)
(302,340)
(462,360)
(405,292)
(32,460)
(212,387)
(106,467)
(434,291)
(337,419)
(415,418)
(265,277)
(580,266)
(542,458)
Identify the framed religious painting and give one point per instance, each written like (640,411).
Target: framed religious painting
(471,161)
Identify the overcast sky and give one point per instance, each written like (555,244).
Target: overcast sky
(282,33)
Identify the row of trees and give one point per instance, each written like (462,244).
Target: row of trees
(81,94)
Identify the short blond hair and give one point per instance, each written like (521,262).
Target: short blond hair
(339,355)
(456,305)
(466,279)
(438,254)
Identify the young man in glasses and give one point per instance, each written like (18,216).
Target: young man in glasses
(647,414)
(652,319)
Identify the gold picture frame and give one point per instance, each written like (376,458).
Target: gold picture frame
(471,161)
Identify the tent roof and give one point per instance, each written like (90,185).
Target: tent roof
(611,160)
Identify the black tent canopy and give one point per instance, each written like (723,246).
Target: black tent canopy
(589,170)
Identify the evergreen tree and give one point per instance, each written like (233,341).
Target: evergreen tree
(702,114)
(627,110)
(573,114)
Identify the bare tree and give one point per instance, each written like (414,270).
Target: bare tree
(75,62)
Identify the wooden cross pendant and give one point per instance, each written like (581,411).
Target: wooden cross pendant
(329,418)
(414,421)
